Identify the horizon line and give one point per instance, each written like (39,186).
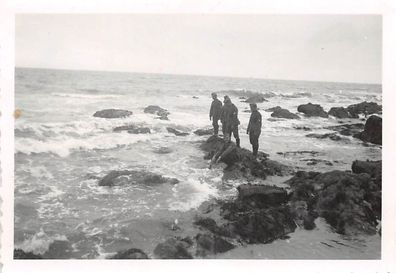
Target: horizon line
(193,75)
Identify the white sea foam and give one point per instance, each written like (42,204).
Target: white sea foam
(39,243)
(85,96)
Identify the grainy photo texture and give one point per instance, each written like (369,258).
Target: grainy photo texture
(198,136)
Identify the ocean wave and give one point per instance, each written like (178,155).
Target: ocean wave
(39,243)
(85,96)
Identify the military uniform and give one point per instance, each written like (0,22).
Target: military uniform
(254,130)
(229,119)
(215,113)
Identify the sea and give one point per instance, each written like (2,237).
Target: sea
(61,151)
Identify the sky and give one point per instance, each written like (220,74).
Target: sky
(342,48)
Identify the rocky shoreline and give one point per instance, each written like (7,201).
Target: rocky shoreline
(349,201)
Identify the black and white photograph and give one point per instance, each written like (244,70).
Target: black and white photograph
(201,137)
(206,136)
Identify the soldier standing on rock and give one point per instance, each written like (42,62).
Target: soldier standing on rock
(215,112)
(254,128)
(230,121)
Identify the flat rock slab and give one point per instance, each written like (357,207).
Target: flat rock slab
(176,132)
(112,113)
(263,194)
(203,132)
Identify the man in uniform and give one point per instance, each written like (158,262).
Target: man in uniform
(215,112)
(254,128)
(230,121)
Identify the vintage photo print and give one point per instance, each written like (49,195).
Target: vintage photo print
(197,136)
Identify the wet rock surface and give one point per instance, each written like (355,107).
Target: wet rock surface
(112,113)
(347,129)
(312,110)
(203,132)
(332,136)
(125,177)
(133,129)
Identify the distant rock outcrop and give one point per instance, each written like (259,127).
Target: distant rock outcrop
(339,112)
(366,108)
(312,110)
(156,110)
(112,113)
(284,113)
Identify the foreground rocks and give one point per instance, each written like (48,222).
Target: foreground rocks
(240,162)
(125,177)
(349,202)
(112,113)
(20,254)
(156,110)
(372,130)
(312,110)
(174,248)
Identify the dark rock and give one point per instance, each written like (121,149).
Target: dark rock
(298,153)
(347,129)
(211,225)
(117,178)
(195,97)
(176,132)
(155,109)
(373,168)
(315,161)
(112,113)
(132,253)
(212,244)
(133,129)
(258,98)
(332,136)
(240,161)
(272,109)
(259,225)
(284,113)
(262,195)
(202,132)
(20,254)
(372,130)
(366,108)
(173,248)
(351,203)
(339,112)
(302,128)
(312,110)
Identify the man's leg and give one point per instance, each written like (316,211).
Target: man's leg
(236,135)
(255,144)
(215,126)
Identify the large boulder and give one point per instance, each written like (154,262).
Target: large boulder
(366,108)
(372,130)
(112,113)
(339,112)
(132,253)
(125,177)
(284,113)
(173,248)
(312,110)
(156,110)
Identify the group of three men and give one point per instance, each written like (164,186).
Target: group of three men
(228,115)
